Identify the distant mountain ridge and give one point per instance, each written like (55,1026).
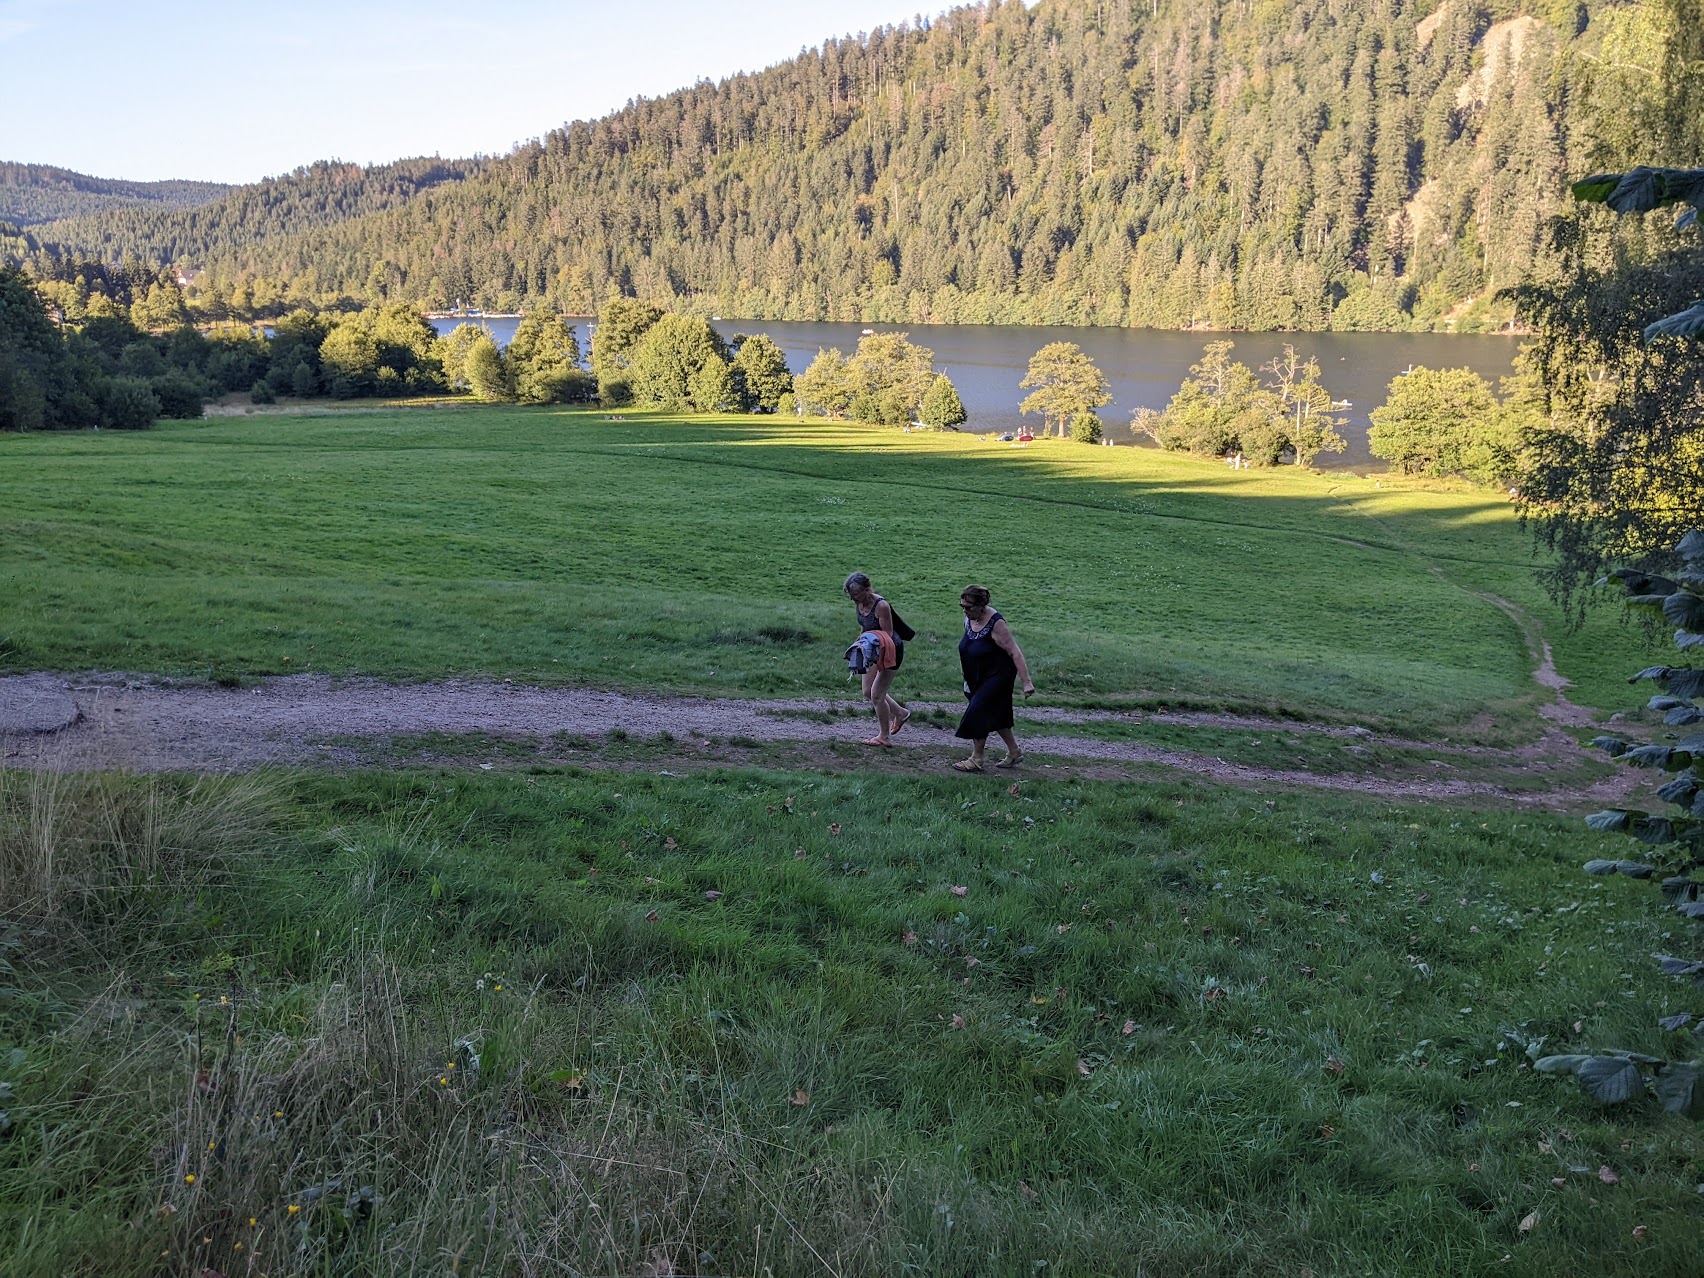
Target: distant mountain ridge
(1254,164)
(244,218)
(31,194)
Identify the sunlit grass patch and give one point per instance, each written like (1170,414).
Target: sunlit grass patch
(706,554)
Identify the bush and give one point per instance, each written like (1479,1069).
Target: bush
(1086,428)
(128,404)
(261,393)
(788,405)
(180,396)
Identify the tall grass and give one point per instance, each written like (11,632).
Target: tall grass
(77,845)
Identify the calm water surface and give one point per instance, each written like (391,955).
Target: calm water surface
(1145,366)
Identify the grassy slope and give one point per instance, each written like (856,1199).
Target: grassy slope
(1198,1034)
(560,546)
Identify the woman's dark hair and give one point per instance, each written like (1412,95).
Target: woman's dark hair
(975,596)
(857,581)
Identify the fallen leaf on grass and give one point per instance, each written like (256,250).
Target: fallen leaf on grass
(670,843)
(1334,1066)
(958,889)
(651,916)
(1027,1192)
(1529,1222)
(1606,1176)
(1129,1027)
(799,1098)
(1559,1181)
(798,854)
(835,828)
(909,937)
(958,1021)
(1639,1231)
(1013,789)
(712,895)
(1083,1068)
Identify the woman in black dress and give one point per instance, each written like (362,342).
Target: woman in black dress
(992,664)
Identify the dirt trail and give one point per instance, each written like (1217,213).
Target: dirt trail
(150,725)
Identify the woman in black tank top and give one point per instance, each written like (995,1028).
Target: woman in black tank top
(875,614)
(992,663)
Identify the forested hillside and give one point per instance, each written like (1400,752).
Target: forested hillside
(241,226)
(32,193)
(1219,163)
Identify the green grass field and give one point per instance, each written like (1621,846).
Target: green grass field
(707,555)
(558,1022)
(761,1020)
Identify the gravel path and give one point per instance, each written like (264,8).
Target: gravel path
(144,724)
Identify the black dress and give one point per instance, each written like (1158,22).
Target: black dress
(990,674)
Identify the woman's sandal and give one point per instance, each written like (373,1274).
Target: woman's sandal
(1010,761)
(903,721)
(968,765)
(877,741)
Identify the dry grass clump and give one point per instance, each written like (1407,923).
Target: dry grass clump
(74,846)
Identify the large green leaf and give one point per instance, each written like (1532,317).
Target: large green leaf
(1677,1087)
(1691,547)
(1640,586)
(1679,791)
(1655,831)
(1686,682)
(1639,191)
(1665,757)
(1684,639)
(1687,323)
(1611,1080)
(1614,747)
(1613,820)
(1684,609)
(1671,966)
(1596,189)
(1569,1064)
(1682,715)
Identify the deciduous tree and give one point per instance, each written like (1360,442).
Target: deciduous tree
(1066,383)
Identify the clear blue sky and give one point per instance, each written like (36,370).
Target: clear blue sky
(231,91)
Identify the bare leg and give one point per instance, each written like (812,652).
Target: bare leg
(897,714)
(876,685)
(1013,754)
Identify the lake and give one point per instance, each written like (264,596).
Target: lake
(1145,366)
